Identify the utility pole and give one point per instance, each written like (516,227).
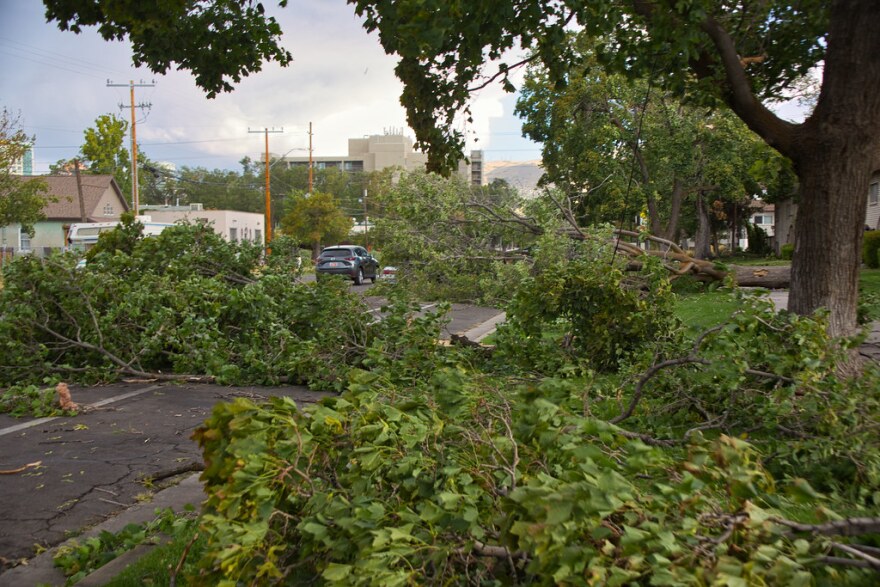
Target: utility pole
(79,191)
(310,159)
(266,131)
(135,203)
(366,223)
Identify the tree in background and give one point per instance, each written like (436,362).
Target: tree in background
(316,219)
(21,201)
(104,151)
(739,54)
(621,148)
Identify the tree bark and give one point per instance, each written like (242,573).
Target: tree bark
(773,277)
(701,240)
(833,154)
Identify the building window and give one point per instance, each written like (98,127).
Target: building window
(233,235)
(108,209)
(874,194)
(258,236)
(762,219)
(25,242)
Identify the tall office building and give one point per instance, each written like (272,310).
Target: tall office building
(377,152)
(24,165)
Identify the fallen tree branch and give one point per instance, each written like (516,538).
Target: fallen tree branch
(846,527)
(871,561)
(691,358)
(21,469)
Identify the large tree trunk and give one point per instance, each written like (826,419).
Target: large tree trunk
(704,232)
(833,154)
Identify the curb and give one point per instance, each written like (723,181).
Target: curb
(481,331)
(41,570)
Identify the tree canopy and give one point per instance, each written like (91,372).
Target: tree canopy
(620,147)
(220,41)
(714,52)
(316,219)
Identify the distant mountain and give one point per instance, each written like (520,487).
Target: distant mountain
(523,175)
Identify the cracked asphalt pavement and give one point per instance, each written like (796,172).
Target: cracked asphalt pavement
(99,463)
(132,440)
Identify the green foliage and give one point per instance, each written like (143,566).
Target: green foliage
(459,478)
(185,302)
(579,308)
(452,241)
(316,219)
(21,200)
(672,148)
(30,401)
(869,296)
(759,242)
(787,251)
(103,147)
(123,238)
(871,249)
(219,42)
(153,568)
(443,48)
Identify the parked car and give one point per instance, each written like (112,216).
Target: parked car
(389,274)
(350,260)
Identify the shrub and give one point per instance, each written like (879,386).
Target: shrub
(759,242)
(871,249)
(787,251)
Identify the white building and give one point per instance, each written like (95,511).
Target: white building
(377,152)
(232,225)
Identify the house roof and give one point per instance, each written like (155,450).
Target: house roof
(759,205)
(63,188)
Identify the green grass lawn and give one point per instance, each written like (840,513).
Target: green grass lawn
(703,310)
(869,293)
(154,568)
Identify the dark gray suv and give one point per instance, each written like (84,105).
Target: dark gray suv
(350,260)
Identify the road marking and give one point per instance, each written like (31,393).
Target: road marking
(98,404)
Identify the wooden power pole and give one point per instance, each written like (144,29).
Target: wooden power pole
(266,132)
(135,203)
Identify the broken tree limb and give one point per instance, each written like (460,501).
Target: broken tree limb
(21,469)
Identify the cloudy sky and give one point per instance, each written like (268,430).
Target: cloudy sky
(341,81)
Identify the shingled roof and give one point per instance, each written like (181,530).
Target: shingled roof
(63,189)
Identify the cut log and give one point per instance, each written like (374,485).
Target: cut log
(771,277)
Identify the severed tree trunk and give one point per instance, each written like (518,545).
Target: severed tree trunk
(772,277)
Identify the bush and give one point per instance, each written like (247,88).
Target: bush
(759,242)
(871,249)
(787,251)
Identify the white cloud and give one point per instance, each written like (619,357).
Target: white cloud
(341,81)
